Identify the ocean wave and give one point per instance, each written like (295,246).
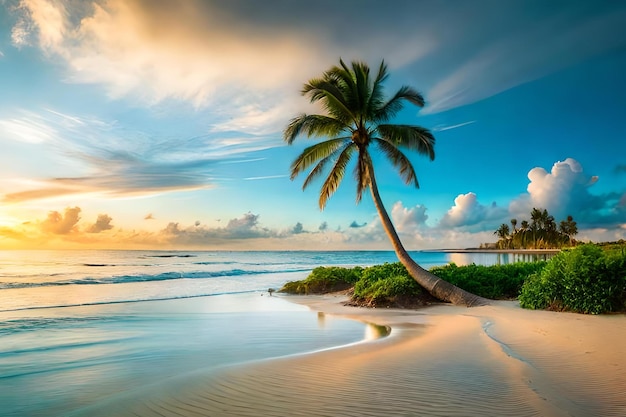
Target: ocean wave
(138,300)
(124,279)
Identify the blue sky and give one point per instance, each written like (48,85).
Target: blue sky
(142,124)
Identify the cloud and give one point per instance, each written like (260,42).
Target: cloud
(355,225)
(442,128)
(565,190)
(149,216)
(101,157)
(298,228)
(32,129)
(60,224)
(408,219)
(200,53)
(243,53)
(534,43)
(266,177)
(468,214)
(102,223)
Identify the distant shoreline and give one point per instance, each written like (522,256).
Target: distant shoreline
(513,251)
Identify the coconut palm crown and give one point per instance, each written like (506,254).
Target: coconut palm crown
(357,116)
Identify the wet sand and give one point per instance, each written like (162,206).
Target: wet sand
(497,360)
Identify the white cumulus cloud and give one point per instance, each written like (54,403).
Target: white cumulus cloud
(470,214)
(565,190)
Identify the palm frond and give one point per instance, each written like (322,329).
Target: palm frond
(363,89)
(415,138)
(376,98)
(319,168)
(399,160)
(396,103)
(314,153)
(336,175)
(329,93)
(313,125)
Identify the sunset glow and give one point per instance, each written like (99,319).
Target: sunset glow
(136,124)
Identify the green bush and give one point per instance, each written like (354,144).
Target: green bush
(586,279)
(384,284)
(495,282)
(323,280)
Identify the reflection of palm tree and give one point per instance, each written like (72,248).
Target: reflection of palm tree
(357,116)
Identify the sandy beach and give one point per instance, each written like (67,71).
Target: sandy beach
(497,360)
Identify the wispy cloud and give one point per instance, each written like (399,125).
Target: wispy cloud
(525,52)
(266,177)
(105,158)
(442,128)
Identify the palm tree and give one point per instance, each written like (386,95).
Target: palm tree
(536,223)
(503,235)
(513,232)
(569,228)
(523,234)
(357,116)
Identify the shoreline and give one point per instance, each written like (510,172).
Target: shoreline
(440,360)
(512,251)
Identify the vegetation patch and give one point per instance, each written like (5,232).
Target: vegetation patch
(586,279)
(389,285)
(495,282)
(323,280)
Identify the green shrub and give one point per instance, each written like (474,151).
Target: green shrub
(323,280)
(586,279)
(495,282)
(386,284)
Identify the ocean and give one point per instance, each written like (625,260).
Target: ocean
(82,327)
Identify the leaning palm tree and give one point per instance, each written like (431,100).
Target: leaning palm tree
(356,122)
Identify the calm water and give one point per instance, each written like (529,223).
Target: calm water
(80,327)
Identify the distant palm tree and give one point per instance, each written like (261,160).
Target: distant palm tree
(569,228)
(357,116)
(524,226)
(503,235)
(536,223)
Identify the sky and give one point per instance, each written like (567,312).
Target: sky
(156,124)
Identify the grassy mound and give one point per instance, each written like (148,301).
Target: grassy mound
(324,280)
(586,279)
(389,285)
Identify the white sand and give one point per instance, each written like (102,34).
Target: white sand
(497,360)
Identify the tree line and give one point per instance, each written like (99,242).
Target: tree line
(542,232)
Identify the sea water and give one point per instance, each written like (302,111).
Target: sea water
(80,327)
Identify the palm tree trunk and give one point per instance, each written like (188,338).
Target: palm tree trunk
(437,287)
